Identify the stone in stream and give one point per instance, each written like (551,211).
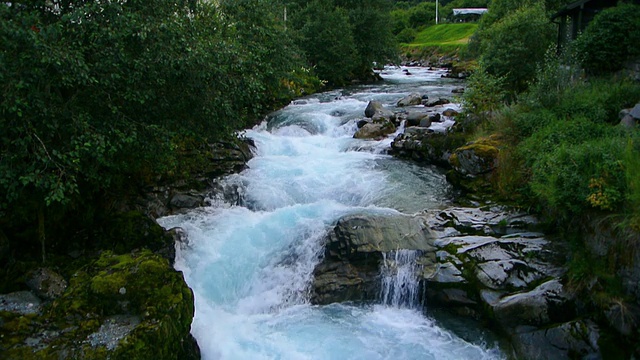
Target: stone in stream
(410,100)
(375,130)
(375,109)
(354,251)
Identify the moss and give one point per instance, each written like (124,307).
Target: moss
(140,284)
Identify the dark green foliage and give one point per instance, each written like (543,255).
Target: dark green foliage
(611,39)
(342,39)
(576,159)
(514,45)
(97,98)
(328,42)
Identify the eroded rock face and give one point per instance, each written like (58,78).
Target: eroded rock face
(355,248)
(480,262)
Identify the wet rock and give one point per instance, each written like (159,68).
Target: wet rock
(572,340)
(415,118)
(21,302)
(450,112)
(362,123)
(46,283)
(425,145)
(425,122)
(186,201)
(548,303)
(458,90)
(343,281)
(355,248)
(435,118)
(447,273)
(357,235)
(372,108)
(440,101)
(410,100)
(377,110)
(375,130)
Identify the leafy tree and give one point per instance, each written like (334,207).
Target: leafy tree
(327,41)
(343,38)
(514,45)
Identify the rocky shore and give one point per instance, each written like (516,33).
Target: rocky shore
(488,263)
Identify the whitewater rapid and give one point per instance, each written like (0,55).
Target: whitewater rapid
(250,264)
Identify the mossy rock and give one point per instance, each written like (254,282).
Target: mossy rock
(141,286)
(478,157)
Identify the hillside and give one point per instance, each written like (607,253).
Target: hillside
(444,36)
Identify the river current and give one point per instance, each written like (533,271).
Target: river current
(250,263)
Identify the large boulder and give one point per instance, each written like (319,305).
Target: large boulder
(476,158)
(375,130)
(423,145)
(375,110)
(354,250)
(410,100)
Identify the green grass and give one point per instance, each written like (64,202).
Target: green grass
(445,36)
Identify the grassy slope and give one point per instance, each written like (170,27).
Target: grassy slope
(445,36)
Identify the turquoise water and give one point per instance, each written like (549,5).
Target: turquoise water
(250,266)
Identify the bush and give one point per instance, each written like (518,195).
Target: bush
(406,35)
(610,39)
(485,92)
(575,177)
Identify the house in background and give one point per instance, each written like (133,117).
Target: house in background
(468,14)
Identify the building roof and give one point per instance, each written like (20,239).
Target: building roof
(466,11)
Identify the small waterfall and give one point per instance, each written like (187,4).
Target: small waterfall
(400,279)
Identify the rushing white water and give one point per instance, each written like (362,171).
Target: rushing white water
(400,279)
(250,266)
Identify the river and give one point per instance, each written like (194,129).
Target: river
(250,263)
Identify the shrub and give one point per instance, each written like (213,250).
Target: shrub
(610,39)
(485,92)
(572,178)
(406,35)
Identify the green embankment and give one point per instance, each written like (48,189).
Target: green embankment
(446,37)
